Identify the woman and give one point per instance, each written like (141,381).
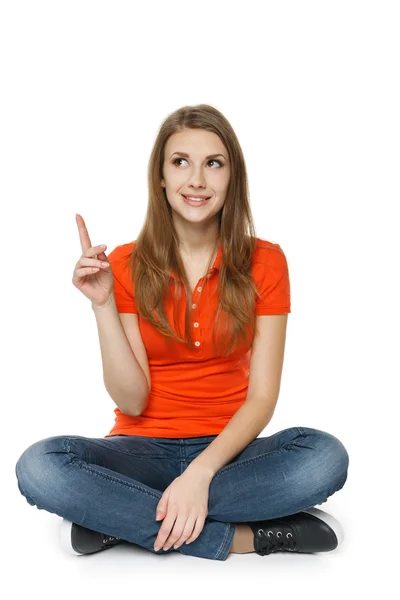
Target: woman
(190,473)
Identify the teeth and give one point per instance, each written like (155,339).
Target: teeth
(195,199)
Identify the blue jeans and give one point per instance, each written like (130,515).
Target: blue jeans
(113,485)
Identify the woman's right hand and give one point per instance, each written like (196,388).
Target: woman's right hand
(93,279)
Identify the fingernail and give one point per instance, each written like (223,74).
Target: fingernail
(156,548)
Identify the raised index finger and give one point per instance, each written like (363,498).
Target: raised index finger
(83,234)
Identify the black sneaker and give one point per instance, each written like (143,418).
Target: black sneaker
(78,540)
(311,530)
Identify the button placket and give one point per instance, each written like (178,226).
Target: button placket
(199,289)
(197,343)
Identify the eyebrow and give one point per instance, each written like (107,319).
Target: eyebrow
(187,155)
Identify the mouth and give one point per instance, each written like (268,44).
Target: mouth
(200,200)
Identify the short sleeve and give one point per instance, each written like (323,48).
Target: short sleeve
(274,284)
(123,286)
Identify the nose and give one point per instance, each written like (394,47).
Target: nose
(197,179)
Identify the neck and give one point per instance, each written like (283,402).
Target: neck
(199,254)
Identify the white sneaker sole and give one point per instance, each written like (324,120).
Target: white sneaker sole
(65,538)
(329,520)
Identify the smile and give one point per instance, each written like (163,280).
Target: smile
(193,202)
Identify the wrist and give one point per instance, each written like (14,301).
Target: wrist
(200,471)
(108,305)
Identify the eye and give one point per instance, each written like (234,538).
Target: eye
(175,161)
(211,160)
(216,161)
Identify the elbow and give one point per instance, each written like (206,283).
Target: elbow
(137,410)
(136,414)
(132,404)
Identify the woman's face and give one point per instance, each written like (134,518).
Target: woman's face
(187,171)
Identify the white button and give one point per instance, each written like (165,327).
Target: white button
(209,275)
(193,306)
(195,324)
(197,343)
(199,288)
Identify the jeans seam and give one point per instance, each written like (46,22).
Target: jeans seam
(245,461)
(85,466)
(224,540)
(136,454)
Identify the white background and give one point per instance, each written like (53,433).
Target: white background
(312,91)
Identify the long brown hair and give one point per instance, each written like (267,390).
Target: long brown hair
(155,253)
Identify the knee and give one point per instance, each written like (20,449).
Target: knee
(29,462)
(330,458)
(34,467)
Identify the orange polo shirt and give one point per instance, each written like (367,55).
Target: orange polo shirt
(192,392)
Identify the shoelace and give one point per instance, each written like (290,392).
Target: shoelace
(273,541)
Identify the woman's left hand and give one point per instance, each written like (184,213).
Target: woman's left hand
(183,506)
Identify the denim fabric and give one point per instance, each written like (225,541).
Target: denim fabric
(113,485)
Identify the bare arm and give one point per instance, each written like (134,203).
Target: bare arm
(123,376)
